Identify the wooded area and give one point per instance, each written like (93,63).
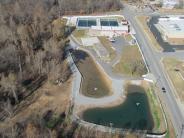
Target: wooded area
(32,46)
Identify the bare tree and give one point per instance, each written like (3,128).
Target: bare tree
(38,62)
(7,107)
(9,83)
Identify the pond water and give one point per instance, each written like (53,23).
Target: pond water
(133,113)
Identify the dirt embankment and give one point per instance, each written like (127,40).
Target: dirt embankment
(48,97)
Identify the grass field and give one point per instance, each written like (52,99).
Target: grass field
(79,33)
(142,20)
(131,62)
(94,82)
(159,123)
(175,71)
(108,45)
(128,37)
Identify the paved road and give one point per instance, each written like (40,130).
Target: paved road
(154,64)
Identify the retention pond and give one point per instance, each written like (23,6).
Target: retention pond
(134,113)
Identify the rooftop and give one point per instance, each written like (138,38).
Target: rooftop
(172,26)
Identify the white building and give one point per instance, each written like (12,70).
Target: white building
(107,25)
(170,4)
(172,28)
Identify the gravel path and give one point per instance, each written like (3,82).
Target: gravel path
(79,99)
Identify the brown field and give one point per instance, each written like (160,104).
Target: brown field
(95,82)
(78,34)
(142,23)
(176,77)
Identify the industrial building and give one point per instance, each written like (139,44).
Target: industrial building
(170,4)
(172,29)
(101,25)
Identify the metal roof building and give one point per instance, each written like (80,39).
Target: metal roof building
(169,4)
(171,27)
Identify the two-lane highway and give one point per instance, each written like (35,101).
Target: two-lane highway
(155,67)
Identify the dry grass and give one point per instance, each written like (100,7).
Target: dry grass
(95,83)
(130,56)
(173,11)
(170,65)
(108,45)
(59,22)
(79,33)
(142,21)
(171,131)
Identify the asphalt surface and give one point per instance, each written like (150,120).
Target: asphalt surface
(79,99)
(153,60)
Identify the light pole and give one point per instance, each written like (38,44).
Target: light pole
(111,124)
(157,80)
(182,127)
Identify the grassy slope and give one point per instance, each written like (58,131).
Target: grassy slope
(142,23)
(130,55)
(170,64)
(159,123)
(93,78)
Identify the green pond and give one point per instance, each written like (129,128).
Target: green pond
(133,113)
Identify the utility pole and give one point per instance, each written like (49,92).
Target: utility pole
(182,128)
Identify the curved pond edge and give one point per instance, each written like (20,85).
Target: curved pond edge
(102,128)
(75,118)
